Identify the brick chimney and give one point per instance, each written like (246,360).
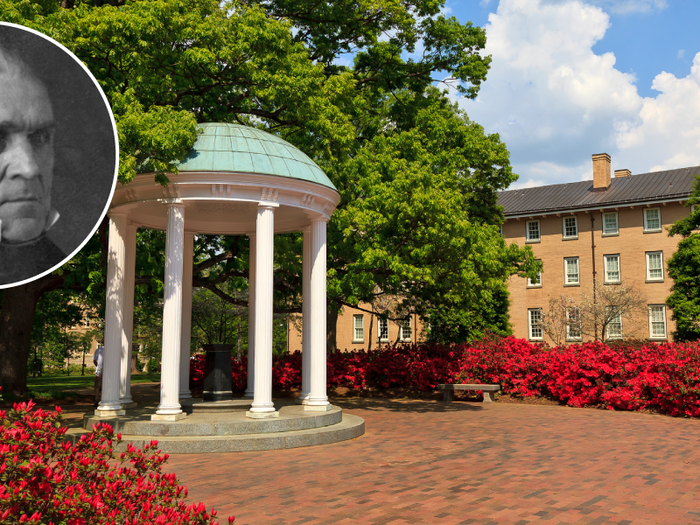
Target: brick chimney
(622,173)
(601,171)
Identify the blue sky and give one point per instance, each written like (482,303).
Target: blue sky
(571,78)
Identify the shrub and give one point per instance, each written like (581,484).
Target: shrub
(153,366)
(46,480)
(630,375)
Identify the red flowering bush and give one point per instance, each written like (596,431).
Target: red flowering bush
(45,480)
(634,376)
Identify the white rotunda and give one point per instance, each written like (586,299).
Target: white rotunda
(236,180)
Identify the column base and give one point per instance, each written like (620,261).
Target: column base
(130,404)
(109,413)
(262,415)
(318,408)
(185,395)
(301,400)
(248,395)
(168,417)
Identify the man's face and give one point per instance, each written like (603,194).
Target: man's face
(26,158)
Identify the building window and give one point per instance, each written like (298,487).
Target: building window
(570,227)
(534,322)
(383,330)
(652,220)
(532,231)
(571,268)
(614,330)
(573,323)
(359,328)
(610,226)
(612,268)
(657,321)
(655,266)
(537,282)
(405,330)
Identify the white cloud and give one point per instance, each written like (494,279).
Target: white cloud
(555,102)
(667,132)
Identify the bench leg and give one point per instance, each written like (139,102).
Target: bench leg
(448,395)
(488,397)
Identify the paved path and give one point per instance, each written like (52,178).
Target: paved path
(435,463)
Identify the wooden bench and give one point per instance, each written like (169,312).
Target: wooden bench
(488,390)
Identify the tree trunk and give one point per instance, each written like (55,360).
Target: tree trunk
(371,325)
(331,329)
(17,315)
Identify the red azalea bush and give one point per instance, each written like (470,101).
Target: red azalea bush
(622,375)
(45,480)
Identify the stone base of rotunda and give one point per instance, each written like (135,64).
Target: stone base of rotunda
(230,431)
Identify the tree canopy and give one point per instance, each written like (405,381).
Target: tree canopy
(358,86)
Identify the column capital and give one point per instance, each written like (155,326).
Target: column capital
(117,212)
(268,205)
(317,217)
(173,202)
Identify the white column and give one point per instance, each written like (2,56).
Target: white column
(250,387)
(318,400)
(305,318)
(169,407)
(262,405)
(129,283)
(114,320)
(187,261)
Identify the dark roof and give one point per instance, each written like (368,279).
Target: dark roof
(647,187)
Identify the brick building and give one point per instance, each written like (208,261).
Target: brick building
(612,230)
(356,330)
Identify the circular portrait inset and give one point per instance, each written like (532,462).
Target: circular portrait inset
(58,155)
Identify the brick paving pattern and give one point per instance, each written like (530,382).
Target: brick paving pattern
(465,463)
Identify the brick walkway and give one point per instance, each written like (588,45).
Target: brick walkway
(427,462)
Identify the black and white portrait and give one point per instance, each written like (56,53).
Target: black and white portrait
(58,155)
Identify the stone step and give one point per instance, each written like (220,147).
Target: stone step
(291,417)
(349,427)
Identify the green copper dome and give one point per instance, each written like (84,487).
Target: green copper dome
(237,148)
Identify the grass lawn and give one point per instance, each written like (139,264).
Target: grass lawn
(63,386)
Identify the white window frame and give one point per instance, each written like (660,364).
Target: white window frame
(568,236)
(383,328)
(573,324)
(535,284)
(534,330)
(649,256)
(566,272)
(618,322)
(405,330)
(647,228)
(358,329)
(607,231)
(606,260)
(657,308)
(528,238)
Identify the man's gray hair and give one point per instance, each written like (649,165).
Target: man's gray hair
(11,65)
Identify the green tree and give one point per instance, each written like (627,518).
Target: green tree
(217,321)
(418,217)
(683,268)
(684,300)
